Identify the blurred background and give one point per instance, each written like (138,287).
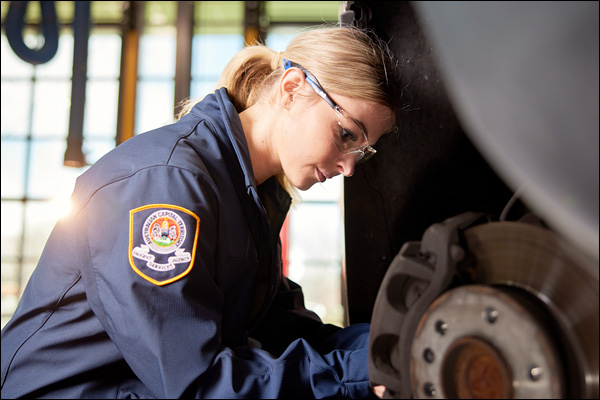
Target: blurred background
(143,59)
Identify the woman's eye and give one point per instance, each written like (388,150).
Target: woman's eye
(347,136)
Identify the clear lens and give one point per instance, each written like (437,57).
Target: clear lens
(349,138)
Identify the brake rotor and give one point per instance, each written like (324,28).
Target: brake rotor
(526,328)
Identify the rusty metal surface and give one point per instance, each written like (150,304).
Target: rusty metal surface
(488,350)
(541,263)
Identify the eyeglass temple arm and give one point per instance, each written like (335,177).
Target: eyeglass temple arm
(313,82)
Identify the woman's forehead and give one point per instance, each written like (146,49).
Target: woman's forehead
(371,118)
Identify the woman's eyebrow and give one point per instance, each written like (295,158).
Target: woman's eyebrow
(361,126)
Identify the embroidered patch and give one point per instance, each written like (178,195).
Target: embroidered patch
(162,242)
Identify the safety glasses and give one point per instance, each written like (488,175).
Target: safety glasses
(349,137)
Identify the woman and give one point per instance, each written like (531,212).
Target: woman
(166,281)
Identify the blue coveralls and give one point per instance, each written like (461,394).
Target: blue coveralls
(169,262)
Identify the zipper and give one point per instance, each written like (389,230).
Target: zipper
(267,250)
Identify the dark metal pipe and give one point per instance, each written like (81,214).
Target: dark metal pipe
(13,25)
(183,59)
(74,156)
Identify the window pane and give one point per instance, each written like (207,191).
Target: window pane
(330,190)
(10,291)
(13,169)
(157,54)
(16,98)
(278,38)
(200,88)
(51,106)
(41,216)
(49,179)
(96,148)
(315,259)
(154,105)
(101,103)
(104,54)
(211,53)
(10,274)
(316,217)
(12,65)
(322,289)
(12,221)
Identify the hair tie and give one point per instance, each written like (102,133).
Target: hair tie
(276,61)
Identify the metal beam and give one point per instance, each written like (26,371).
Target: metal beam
(132,27)
(183,61)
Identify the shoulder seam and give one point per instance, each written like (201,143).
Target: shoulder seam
(122,178)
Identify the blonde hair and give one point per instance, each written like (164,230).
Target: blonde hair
(346,60)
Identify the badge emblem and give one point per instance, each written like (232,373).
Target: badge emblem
(162,242)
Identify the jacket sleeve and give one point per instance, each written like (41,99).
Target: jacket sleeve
(170,334)
(288,320)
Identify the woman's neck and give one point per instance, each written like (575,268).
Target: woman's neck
(259,122)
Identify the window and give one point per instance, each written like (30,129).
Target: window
(36,186)
(35,115)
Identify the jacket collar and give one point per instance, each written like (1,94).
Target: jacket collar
(229,127)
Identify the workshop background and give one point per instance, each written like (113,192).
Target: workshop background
(477,220)
(143,58)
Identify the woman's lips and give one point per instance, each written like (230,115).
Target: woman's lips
(321,176)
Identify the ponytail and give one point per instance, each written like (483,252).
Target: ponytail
(248,74)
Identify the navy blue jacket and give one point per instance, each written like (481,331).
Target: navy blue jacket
(169,263)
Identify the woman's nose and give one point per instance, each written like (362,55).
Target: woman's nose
(346,165)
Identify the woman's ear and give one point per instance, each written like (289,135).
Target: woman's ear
(291,82)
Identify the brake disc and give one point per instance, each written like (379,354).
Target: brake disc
(526,326)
